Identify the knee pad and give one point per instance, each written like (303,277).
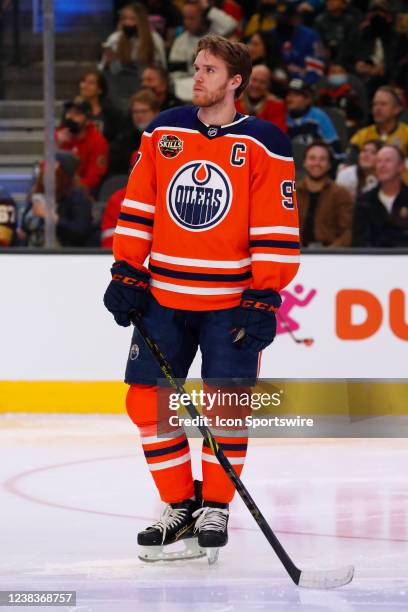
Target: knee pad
(141,405)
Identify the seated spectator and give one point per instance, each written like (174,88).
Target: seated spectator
(386,108)
(130,49)
(381,215)
(230,7)
(361,177)
(8,219)
(308,123)
(156,78)
(340,94)
(256,99)
(104,115)
(301,47)
(308,10)
(234,10)
(375,45)
(199,19)
(144,106)
(325,209)
(73,216)
(264,49)
(164,18)
(78,134)
(335,26)
(263,19)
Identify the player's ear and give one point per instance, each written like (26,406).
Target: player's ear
(236,81)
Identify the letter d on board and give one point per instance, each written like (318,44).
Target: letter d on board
(345,328)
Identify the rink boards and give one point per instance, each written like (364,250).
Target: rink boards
(61,351)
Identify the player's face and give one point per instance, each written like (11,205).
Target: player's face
(317,163)
(211,80)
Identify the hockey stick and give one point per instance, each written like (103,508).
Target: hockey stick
(314,579)
(305,341)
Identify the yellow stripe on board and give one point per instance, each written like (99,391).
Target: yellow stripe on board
(354,399)
(100,397)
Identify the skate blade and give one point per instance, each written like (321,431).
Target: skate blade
(212,555)
(191,550)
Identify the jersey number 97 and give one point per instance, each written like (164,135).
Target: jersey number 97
(288,190)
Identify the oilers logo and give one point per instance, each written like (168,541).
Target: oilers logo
(199,196)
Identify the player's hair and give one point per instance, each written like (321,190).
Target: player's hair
(146,96)
(146,45)
(234,54)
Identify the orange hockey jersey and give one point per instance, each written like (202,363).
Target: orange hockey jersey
(214,207)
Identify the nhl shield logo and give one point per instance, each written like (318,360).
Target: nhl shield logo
(134,352)
(170,145)
(199,196)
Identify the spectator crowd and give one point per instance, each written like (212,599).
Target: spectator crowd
(332,75)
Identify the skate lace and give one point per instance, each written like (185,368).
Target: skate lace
(169,518)
(210,519)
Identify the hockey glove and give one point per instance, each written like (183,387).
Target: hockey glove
(128,291)
(255,319)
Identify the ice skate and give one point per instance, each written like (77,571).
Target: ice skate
(176,525)
(211,525)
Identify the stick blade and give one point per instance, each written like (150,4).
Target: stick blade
(330,579)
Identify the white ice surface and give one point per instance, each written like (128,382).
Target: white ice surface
(75,491)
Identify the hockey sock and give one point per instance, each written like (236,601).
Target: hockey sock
(216,484)
(167,451)
(233,441)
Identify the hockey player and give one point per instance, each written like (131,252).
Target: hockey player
(211,201)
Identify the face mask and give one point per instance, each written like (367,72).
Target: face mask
(129,31)
(337,79)
(72,125)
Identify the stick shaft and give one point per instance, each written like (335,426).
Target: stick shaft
(293,571)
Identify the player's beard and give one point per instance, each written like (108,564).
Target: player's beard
(205,99)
